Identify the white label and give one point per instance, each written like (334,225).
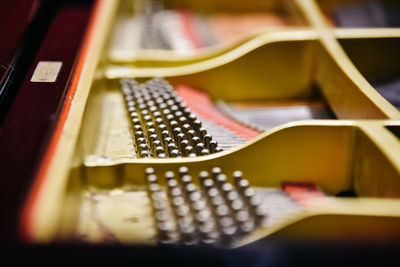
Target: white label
(46,71)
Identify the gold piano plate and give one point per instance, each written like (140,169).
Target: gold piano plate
(338,155)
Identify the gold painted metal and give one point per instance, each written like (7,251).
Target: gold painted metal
(162,57)
(356,152)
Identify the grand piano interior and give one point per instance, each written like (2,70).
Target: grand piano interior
(200,132)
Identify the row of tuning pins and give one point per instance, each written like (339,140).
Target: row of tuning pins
(207,210)
(162,123)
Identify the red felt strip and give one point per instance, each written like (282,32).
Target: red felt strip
(202,104)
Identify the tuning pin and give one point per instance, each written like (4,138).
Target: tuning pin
(162,128)
(141,140)
(182,211)
(218,149)
(151,131)
(138,134)
(225,187)
(130,104)
(146,97)
(144,154)
(153,138)
(183,171)
(153,188)
(153,109)
(195,140)
(133,115)
(254,203)
(222,211)
(202,216)
(213,146)
(169,175)
(128,97)
(190,134)
(185,128)
(158,203)
(186,179)
(159,121)
(137,128)
(212,192)
(164,232)
(142,106)
(206,140)
(197,124)
(176,191)
(192,117)
(151,179)
(160,151)
(142,146)
(166,112)
(215,172)
(195,196)
(216,201)
(182,120)
(174,108)
(205,152)
(242,216)
(182,105)
(174,153)
(221,180)
(149,171)
(184,144)
(178,201)
(203,175)
(237,177)
(157,143)
(227,234)
(161,215)
(174,124)
(167,141)
(237,205)
(205,231)
(232,196)
(189,188)
(188,150)
(172,183)
(199,148)
(170,118)
(176,131)
(171,146)
(170,103)
(247,226)
(144,112)
(248,194)
(203,132)
(187,111)
(147,118)
(259,214)
(150,103)
(178,114)
(242,185)
(188,235)
(179,139)
(135,121)
(178,99)
(208,184)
